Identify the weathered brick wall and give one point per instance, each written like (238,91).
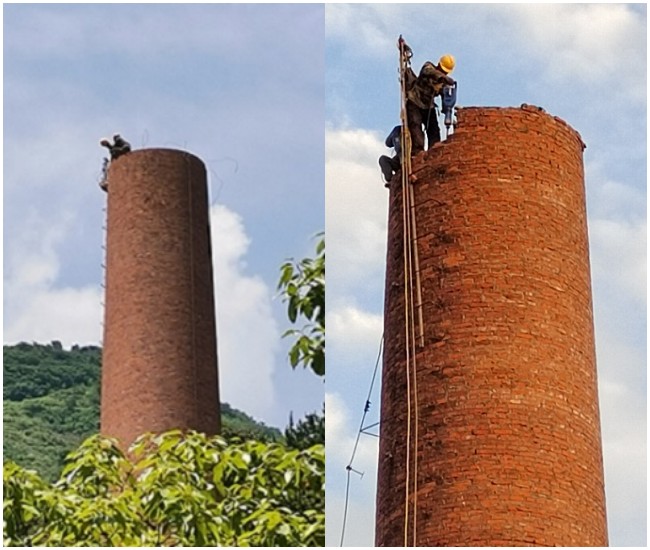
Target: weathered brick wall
(509,448)
(159,366)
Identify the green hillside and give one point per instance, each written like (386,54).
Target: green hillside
(51,404)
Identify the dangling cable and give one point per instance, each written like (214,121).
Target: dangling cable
(349,468)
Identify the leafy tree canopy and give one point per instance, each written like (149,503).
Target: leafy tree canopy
(177,490)
(302,286)
(307,432)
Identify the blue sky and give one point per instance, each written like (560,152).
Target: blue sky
(232,84)
(585,63)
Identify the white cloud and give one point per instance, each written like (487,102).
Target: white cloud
(35,308)
(356,203)
(247,333)
(591,42)
(70,315)
(354,332)
(369,32)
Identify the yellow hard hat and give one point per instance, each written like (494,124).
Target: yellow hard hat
(447,63)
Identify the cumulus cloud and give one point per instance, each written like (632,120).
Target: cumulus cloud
(585,41)
(354,332)
(369,30)
(247,333)
(356,204)
(36,308)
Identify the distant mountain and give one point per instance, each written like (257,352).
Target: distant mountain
(51,404)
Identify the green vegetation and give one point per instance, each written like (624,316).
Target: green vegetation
(177,490)
(307,432)
(302,286)
(51,404)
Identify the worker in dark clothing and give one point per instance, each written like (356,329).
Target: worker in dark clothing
(389,166)
(118,148)
(420,93)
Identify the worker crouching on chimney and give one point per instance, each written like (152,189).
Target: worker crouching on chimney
(116,149)
(420,107)
(389,166)
(119,147)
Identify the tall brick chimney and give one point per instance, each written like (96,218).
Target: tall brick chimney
(159,367)
(508,431)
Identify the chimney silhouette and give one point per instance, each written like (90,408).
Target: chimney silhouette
(503,436)
(159,365)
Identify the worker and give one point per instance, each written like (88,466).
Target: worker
(420,93)
(389,166)
(119,147)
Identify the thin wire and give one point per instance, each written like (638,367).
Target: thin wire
(345,508)
(367,405)
(366,408)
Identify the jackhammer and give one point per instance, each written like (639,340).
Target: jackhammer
(448,103)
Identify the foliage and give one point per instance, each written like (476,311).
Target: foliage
(236,423)
(175,491)
(51,404)
(35,370)
(307,432)
(302,286)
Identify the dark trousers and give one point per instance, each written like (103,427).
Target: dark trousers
(417,118)
(389,166)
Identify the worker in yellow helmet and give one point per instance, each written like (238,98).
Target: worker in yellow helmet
(420,93)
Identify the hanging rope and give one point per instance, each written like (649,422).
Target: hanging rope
(349,469)
(411,272)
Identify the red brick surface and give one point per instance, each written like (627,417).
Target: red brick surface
(509,448)
(159,368)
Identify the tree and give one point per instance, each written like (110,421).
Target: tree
(307,432)
(173,490)
(302,286)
